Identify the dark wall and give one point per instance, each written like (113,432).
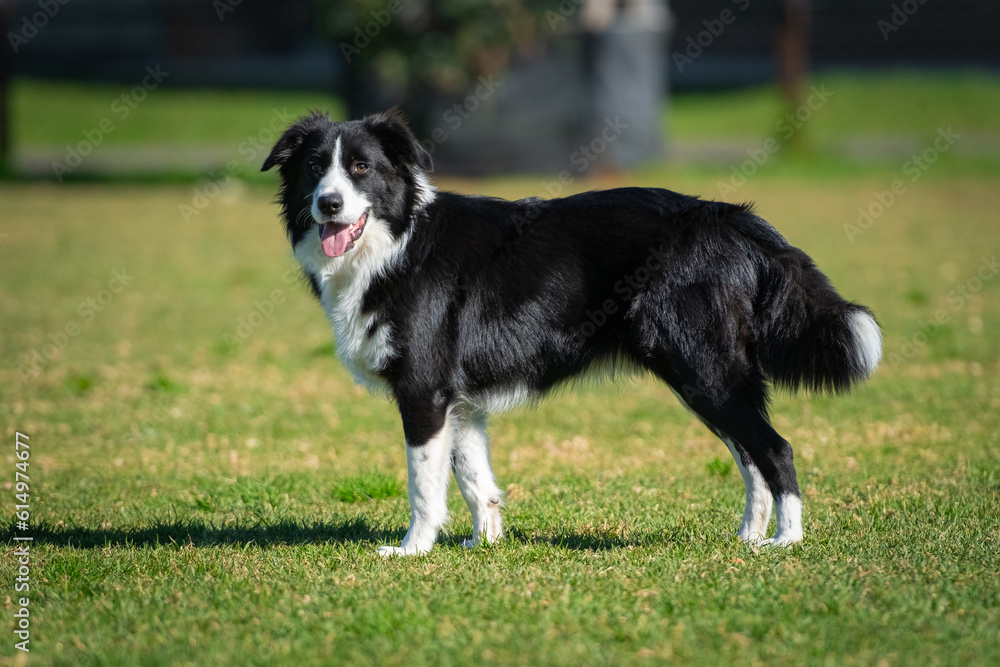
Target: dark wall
(272,43)
(204,42)
(844,33)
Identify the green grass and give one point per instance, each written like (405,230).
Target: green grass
(53,114)
(896,103)
(196,501)
(902,105)
(371,485)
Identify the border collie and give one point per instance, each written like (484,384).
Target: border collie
(457,306)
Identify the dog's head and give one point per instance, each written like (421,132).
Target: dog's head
(340,179)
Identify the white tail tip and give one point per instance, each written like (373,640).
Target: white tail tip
(867,341)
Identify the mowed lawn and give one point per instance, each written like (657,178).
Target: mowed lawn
(207,486)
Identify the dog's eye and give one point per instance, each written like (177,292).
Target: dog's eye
(360,167)
(315,166)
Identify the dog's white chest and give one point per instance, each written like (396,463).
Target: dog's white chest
(362,348)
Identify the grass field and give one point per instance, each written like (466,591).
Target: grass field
(857,104)
(207,486)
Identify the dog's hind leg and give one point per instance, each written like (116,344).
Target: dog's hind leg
(766,462)
(429,441)
(763,457)
(470,461)
(757,511)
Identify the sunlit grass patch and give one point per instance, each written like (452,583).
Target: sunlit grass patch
(372,485)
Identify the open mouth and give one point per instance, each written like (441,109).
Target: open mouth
(338,239)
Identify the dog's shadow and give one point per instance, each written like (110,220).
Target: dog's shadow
(203,534)
(285,532)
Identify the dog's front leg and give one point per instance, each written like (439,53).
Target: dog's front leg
(429,437)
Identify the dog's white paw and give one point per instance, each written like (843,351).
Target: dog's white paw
(782,541)
(492,534)
(389,552)
(754,539)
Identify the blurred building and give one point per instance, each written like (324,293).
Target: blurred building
(226,43)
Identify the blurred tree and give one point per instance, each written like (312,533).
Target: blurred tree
(411,52)
(794,27)
(6,74)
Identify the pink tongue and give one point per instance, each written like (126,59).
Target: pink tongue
(335,241)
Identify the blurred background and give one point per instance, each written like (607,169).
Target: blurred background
(174,88)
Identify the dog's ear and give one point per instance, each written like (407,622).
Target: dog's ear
(293,138)
(397,139)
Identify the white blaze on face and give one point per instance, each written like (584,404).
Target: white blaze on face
(340,229)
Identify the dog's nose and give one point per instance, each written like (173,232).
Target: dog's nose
(330,204)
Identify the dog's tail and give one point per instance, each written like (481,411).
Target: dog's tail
(808,336)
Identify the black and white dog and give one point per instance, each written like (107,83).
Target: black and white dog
(457,306)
